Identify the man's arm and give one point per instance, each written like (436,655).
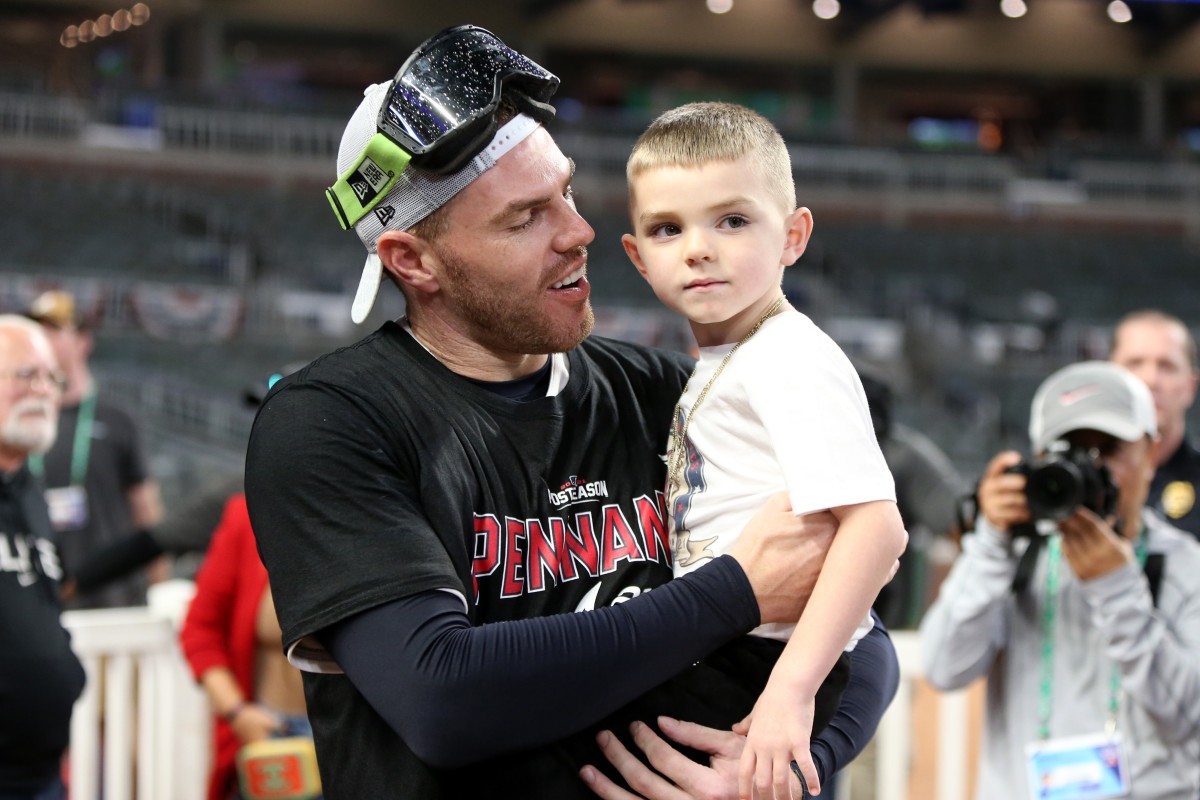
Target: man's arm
(458,693)
(962,631)
(428,672)
(145,504)
(1156,651)
(146,511)
(965,626)
(874,678)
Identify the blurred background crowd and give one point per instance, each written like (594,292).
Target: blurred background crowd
(994,182)
(991,192)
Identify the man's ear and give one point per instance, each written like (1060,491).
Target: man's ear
(629,242)
(405,257)
(799,229)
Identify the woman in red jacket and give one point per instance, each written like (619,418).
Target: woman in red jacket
(231,639)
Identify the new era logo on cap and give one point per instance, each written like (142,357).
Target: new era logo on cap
(368,181)
(385,214)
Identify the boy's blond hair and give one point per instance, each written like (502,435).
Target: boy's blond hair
(697,133)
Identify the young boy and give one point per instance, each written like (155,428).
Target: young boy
(773,403)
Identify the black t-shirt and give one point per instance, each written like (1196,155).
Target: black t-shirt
(1173,491)
(426,481)
(40,677)
(115,464)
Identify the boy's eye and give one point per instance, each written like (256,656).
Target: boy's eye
(736,221)
(665,229)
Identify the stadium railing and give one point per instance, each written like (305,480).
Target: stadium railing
(141,731)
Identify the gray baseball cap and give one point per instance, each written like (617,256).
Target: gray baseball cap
(1091,395)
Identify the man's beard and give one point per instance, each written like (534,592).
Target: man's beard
(504,322)
(31,434)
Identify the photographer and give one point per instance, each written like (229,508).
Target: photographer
(1086,624)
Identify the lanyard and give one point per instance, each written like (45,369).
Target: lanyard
(82,446)
(1049,614)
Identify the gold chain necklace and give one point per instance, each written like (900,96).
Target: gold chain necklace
(679,432)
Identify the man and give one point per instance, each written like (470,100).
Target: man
(481,461)
(98,487)
(1092,664)
(185,533)
(40,677)
(1160,350)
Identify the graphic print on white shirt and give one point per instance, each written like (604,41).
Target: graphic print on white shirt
(688,551)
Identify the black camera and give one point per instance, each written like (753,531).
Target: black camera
(1064,479)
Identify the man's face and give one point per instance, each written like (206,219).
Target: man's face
(1156,351)
(512,261)
(30,390)
(1131,465)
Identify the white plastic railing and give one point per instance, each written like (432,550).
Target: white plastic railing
(142,731)
(895,735)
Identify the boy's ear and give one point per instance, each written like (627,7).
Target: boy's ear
(406,258)
(629,242)
(799,229)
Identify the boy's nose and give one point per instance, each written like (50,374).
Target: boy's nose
(696,248)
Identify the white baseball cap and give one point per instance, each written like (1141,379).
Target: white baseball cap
(416,193)
(1091,395)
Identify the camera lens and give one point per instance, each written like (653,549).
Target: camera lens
(1054,490)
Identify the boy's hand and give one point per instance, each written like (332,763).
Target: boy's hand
(782,555)
(777,733)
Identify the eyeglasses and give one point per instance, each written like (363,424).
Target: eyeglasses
(442,105)
(25,377)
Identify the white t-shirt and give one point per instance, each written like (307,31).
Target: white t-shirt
(788,413)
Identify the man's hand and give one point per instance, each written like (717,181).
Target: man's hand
(782,555)
(685,779)
(1091,547)
(1002,494)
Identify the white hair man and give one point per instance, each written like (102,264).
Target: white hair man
(40,677)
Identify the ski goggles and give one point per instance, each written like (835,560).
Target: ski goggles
(440,112)
(442,106)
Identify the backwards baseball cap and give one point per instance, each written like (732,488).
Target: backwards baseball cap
(54,307)
(1092,395)
(418,140)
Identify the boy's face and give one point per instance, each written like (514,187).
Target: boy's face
(712,241)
